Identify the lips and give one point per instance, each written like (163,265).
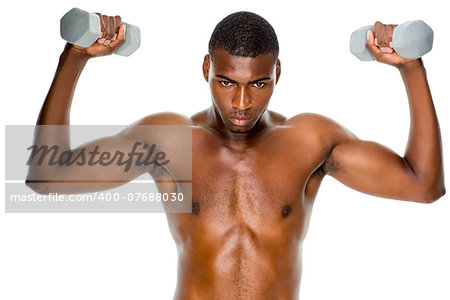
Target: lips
(239,121)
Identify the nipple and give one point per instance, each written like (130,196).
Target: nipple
(286,210)
(195,208)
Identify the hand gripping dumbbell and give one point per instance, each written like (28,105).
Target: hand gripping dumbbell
(83,28)
(412,39)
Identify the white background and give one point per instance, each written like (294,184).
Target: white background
(358,246)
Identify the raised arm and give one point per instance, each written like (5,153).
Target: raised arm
(99,164)
(375,169)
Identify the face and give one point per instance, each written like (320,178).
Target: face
(241,87)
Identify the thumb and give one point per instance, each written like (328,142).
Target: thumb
(370,45)
(120,37)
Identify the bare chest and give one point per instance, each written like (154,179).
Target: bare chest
(259,188)
(246,187)
(254,183)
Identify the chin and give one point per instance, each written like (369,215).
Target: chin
(243,130)
(240,129)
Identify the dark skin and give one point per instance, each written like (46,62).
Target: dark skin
(244,237)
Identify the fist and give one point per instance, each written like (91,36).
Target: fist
(383,36)
(379,43)
(111,37)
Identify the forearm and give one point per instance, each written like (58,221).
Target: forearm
(424,149)
(56,112)
(56,107)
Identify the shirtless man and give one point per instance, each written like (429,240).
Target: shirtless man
(255,174)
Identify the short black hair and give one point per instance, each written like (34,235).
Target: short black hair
(244,34)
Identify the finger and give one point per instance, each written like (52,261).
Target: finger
(120,38)
(112,24)
(387,33)
(391,34)
(380,35)
(377,33)
(100,40)
(386,36)
(118,20)
(106,31)
(377,30)
(109,28)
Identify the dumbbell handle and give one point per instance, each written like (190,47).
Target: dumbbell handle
(411,39)
(83,28)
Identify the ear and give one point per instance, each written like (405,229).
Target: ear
(277,71)
(205,67)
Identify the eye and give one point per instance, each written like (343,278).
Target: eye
(259,84)
(225,83)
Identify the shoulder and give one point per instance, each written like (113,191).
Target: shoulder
(325,135)
(310,119)
(319,130)
(165,118)
(320,125)
(143,129)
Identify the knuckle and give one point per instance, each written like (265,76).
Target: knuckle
(104,23)
(112,27)
(108,31)
(118,22)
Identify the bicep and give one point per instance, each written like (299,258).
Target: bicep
(113,160)
(372,168)
(96,165)
(365,166)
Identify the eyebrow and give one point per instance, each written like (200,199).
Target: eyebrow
(233,81)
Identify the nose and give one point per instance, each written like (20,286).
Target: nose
(241,101)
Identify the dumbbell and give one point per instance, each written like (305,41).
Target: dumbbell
(83,28)
(411,39)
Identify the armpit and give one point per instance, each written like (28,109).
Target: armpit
(320,171)
(330,165)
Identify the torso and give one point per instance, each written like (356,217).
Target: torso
(251,204)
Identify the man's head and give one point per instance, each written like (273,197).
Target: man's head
(244,34)
(242,68)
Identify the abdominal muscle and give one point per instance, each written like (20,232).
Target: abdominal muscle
(238,264)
